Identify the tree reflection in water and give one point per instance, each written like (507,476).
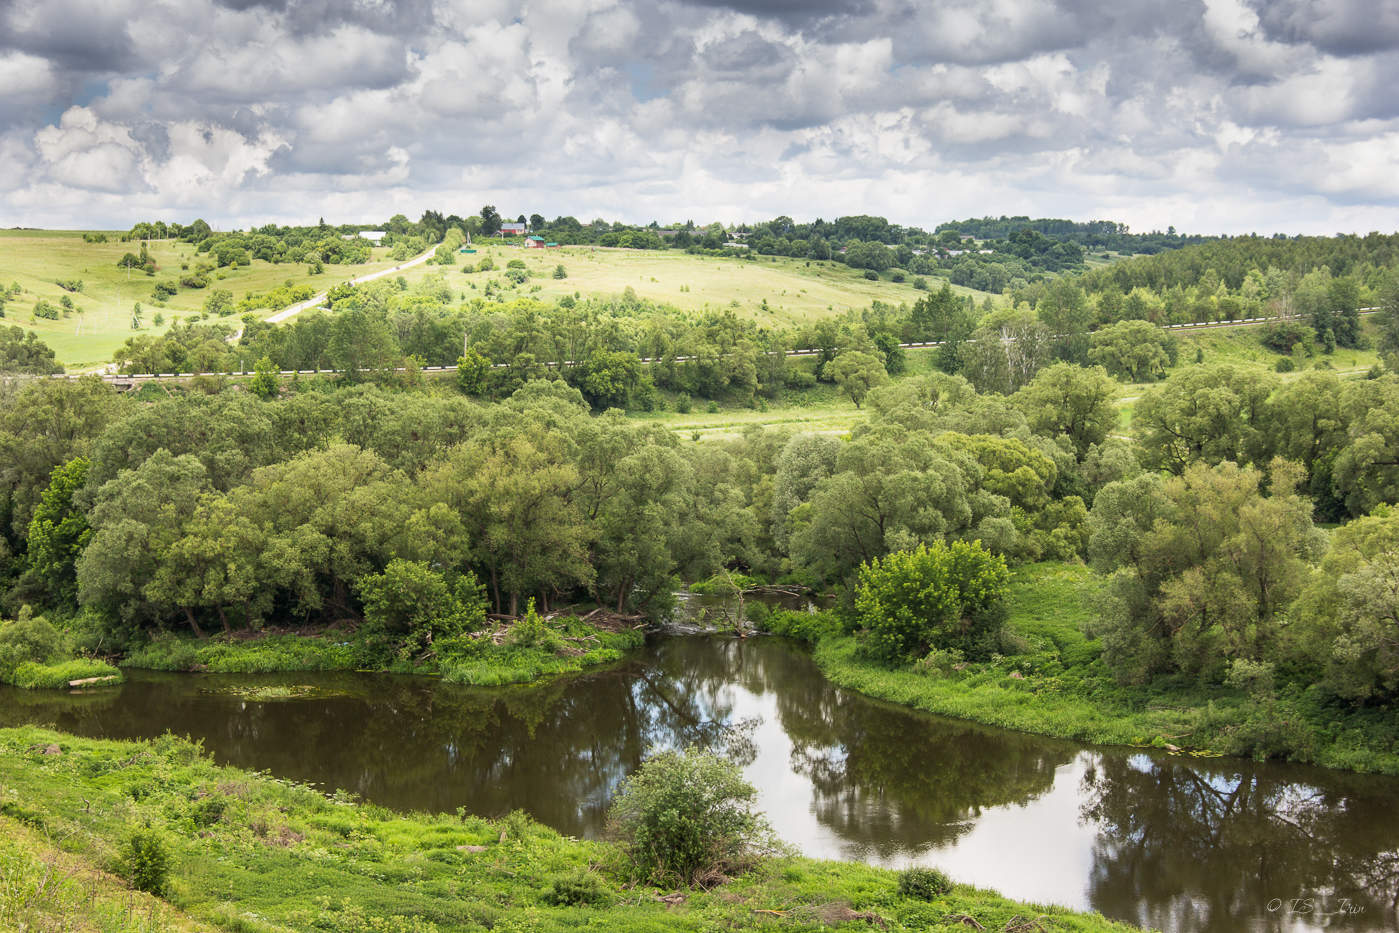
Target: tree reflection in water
(1208,846)
(1175,844)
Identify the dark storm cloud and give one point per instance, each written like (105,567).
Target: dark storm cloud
(1340,27)
(76,36)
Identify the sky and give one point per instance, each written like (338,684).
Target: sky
(1213,116)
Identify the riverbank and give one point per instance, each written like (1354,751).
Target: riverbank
(510,655)
(1057,685)
(251,853)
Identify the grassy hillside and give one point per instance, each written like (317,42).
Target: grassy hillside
(253,854)
(37,259)
(771,290)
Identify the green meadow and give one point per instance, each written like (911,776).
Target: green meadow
(86,338)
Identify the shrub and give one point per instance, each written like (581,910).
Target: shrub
(809,627)
(144,860)
(560,272)
(872,275)
(29,638)
(579,889)
(684,815)
(944,596)
(923,884)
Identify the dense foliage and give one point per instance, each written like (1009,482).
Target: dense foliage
(684,816)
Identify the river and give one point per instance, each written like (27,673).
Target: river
(1174,843)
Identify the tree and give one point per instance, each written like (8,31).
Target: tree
(472,369)
(1388,318)
(264,382)
(219,303)
(214,564)
(417,604)
(58,532)
(856,372)
(891,490)
(683,815)
(1349,612)
(1070,401)
(1136,351)
(1006,351)
(21,351)
(1066,313)
(1202,567)
(136,518)
(1204,413)
(490,220)
(946,597)
(360,341)
(1366,470)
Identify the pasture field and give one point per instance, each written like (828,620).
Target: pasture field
(86,338)
(770,290)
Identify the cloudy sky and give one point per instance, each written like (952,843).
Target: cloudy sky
(1209,115)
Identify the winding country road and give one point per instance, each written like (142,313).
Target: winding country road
(316,301)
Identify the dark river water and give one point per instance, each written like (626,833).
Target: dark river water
(1171,843)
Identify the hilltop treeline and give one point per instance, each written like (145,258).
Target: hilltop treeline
(1317,281)
(1091,235)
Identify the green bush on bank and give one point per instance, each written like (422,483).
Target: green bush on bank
(36,655)
(277,856)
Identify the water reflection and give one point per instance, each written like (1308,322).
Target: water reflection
(1178,845)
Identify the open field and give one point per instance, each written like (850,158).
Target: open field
(770,290)
(36,259)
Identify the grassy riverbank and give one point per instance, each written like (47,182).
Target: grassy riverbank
(253,854)
(1056,684)
(555,646)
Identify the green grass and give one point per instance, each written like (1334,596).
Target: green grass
(257,855)
(32,675)
(36,259)
(44,888)
(770,290)
(1056,684)
(1243,346)
(571,645)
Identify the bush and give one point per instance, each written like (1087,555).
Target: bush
(163,290)
(28,639)
(580,889)
(684,815)
(872,275)
(944,596)
(809,627)
(144,861)
(923,884)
